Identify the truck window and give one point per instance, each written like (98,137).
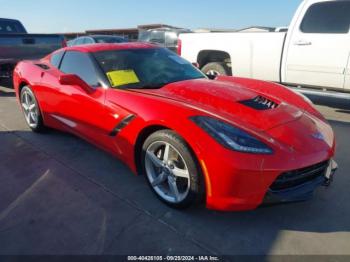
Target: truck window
(56,59)
(11,27)
(81,65)
(327,18)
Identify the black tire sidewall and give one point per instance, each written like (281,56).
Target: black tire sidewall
(195,194)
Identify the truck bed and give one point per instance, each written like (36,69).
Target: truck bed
(15,47)
(253,54)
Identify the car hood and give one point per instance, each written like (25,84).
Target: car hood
(231,101)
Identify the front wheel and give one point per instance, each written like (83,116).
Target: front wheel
(171,169)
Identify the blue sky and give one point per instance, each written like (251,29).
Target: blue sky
(45,16)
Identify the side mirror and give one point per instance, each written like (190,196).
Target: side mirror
(195,65)
(74,80)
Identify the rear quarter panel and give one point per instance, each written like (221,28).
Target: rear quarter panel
(26,73)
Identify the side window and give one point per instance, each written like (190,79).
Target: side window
(56,59)
(327,18)
(171,39)
(157,37)
(81,65)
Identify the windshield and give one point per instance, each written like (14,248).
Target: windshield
(110,39)
(145,68)
(152,36)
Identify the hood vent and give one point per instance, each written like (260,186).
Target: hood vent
(260,103)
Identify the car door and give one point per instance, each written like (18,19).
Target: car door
(48,92)
(319,47)
(81,112)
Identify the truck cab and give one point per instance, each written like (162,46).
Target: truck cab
(314,52)
(317,47)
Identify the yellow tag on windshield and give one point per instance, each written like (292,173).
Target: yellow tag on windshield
(122,77)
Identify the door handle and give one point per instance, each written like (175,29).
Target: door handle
(28,41)
(302,43)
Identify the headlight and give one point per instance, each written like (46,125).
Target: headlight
(231,137)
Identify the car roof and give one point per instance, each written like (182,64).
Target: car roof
(109,47)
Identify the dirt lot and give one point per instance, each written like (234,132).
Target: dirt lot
(60,195)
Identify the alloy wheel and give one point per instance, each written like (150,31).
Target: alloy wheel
(167,172)
(30,108)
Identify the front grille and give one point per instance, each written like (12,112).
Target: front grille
(260,103)
(300,176)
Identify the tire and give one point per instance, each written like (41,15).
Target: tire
(180,169)
(216,69)
(31,110)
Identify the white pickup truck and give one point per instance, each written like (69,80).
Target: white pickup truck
(315,52)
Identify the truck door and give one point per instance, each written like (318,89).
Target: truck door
(319,46)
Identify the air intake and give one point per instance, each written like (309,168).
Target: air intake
(260,103)
(300,176)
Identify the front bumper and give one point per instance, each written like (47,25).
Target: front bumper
(304,191)
(250,189)
(236,181)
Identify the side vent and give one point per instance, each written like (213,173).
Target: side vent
(260,103)
(43,66)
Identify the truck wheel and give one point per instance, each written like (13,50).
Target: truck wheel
(216,69)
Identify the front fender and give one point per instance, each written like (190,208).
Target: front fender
(154,113)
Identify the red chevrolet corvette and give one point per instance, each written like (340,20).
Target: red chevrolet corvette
(234,142)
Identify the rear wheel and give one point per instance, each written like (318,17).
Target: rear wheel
(31,110)
(216,69)
(171,169)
